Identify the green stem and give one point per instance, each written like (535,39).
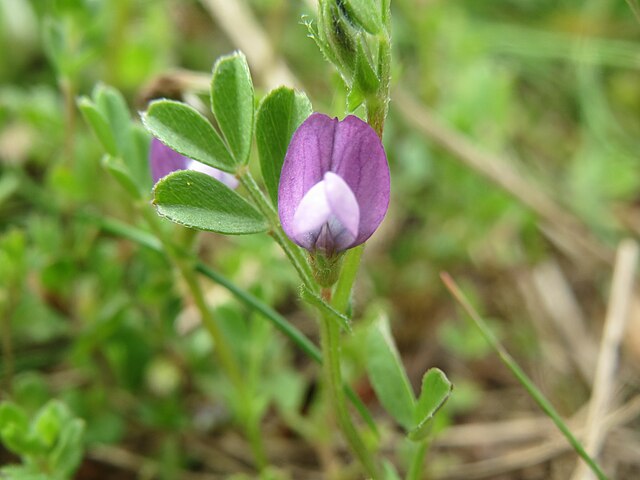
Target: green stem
(330,340)
(521,376)
(224,354)
(342,291)
(292,251)
(416,467)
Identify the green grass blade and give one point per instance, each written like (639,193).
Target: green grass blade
(522,377)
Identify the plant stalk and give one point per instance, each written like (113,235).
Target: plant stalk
(416,467)
(330,340)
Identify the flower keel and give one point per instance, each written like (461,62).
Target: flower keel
(327,217)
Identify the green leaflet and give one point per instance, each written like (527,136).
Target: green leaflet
(199,201)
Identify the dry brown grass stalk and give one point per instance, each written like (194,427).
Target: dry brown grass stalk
(605,374)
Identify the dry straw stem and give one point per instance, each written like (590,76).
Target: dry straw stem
(522,458)
(560,305)
(614,327)
(142,466)
(562,226)
(506,432)
(240,25)
(534,392)
(635,8)
(558,356)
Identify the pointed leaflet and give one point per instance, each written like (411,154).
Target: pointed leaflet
(232,103)
(199,201)
(184,129)
(436,389)
(279,115)
(99,124)
(116,167)
(108,114)
(387,374)
(389,471)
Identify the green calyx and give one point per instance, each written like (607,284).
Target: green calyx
(326,268)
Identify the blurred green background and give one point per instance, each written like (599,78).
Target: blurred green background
(550,88)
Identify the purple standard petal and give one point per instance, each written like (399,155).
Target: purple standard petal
(164,160)
(327,164)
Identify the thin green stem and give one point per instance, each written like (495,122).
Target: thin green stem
(224,354)
(292,251)
(522,377)
(330,340)
(377,104)
(342,290)
(325,308)
(416,467)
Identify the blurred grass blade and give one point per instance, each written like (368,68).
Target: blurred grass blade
(635,8)
(521,376)
(99,124)
(549,45)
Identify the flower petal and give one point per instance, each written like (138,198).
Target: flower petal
(342,202)
(312,214)
(229,180)
(359,159)
(164,160)
(327,217)
(308,158)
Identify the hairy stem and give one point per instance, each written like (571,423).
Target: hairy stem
(330,339)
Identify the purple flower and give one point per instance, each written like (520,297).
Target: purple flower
(334,186)
(163,160)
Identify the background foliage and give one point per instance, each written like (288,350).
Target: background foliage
(103,326)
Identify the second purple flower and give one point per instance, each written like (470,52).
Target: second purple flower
(334,186)
(164,160)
